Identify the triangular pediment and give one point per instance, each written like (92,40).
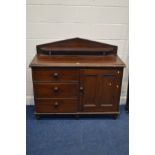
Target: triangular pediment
(76,45)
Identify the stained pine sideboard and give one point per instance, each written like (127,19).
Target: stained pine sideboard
(77,76)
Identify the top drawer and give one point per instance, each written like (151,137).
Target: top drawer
(50,74)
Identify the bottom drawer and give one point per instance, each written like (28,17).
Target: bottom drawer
(56,105)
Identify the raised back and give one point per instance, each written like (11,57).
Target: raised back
(76,46)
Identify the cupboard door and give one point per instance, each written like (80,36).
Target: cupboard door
(99,91)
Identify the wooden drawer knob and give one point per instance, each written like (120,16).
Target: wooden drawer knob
(56,104)
(81,88)
(55,75)
(56,88)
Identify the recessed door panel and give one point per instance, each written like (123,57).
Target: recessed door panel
(89,92)
(106,91)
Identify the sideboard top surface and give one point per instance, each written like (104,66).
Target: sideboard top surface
(78,61)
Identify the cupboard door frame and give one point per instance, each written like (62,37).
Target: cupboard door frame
(101,84)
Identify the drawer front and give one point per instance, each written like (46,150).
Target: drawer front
(55,90)
(118,72)
(55,105)
(47,74)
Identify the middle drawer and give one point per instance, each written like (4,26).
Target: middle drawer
(56,90)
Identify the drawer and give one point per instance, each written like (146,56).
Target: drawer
(55,90)
(55,105)
(106,71)
(48,74)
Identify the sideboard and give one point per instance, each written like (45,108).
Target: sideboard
(77,76)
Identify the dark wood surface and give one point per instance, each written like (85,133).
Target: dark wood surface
(52,90)
(77,83)
(56,105)
(55,75)
(100,89)
(77,61)
(76,45)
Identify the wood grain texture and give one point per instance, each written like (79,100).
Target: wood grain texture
(55,90)
(55,75)
(74,46)
(77,83)
(100,89)
(78,61)
(56,105)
